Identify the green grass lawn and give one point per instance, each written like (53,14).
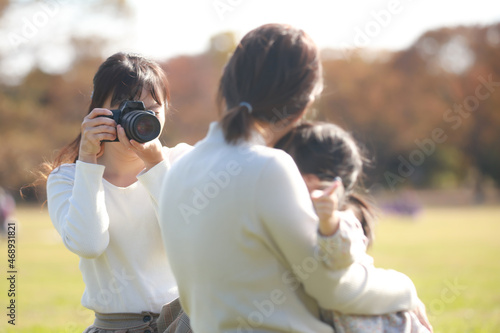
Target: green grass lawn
(450,253)
(452,256)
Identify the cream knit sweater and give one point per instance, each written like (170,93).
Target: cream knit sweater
(241,238)
(115,232)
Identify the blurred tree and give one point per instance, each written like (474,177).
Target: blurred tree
(194,83)
(393,102)
(40,34)
(3,5)
(44,110)
(468,58)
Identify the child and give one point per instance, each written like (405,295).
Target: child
(327,157)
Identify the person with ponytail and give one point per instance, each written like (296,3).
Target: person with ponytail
(102,198)
(242,238)
(326,154)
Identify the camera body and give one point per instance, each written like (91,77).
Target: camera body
(139,124)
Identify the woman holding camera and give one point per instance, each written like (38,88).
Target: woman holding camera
(103,203)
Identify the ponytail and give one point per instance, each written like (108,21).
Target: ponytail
(364,212)
(275,67)
(237,124)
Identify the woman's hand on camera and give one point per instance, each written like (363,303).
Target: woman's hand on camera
(150,152)
(326,204)
(94,130)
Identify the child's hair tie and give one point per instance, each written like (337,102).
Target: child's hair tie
(247,105)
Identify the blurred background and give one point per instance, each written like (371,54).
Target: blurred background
(416,82)
(406,77)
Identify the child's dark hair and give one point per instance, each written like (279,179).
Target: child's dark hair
(328,151)
(273,75)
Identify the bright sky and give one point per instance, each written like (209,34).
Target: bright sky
(174,27)
(38,35)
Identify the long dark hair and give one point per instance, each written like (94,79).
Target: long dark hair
(276,70)
(123,76)
(328,151)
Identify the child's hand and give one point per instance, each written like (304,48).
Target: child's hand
(326,204)
(422,315)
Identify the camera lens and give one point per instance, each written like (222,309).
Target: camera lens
(144,126)
(141,126)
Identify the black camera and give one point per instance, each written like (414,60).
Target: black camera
(139,124)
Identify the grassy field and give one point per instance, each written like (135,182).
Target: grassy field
(450,253)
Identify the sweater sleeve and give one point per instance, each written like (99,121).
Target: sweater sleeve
(346,246)
(153,178)
(286,211)
(75,197)
(178,151)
